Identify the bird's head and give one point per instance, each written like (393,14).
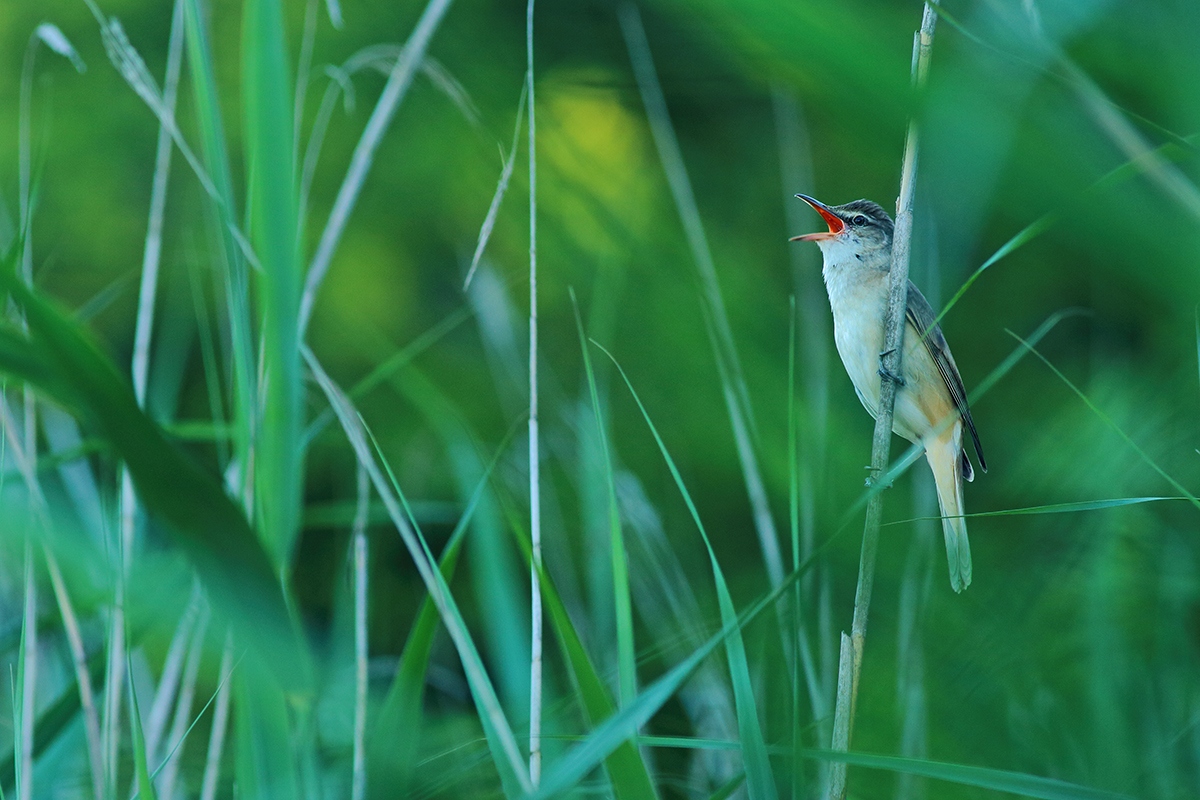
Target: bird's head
(861,230)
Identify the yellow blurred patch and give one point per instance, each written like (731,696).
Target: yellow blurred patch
(597,156)
(366,293)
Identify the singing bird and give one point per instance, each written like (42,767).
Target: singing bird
(931,403)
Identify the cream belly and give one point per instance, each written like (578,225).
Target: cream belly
(858,334)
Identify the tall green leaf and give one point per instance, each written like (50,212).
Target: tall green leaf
(63,361)
(266,89)
(759,780)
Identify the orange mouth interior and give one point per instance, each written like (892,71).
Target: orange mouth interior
(834,222)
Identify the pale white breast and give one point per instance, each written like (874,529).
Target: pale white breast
(857,298)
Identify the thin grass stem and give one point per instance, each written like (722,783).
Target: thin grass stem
(303,67)
(26,465)
(220,726)
(28,683)
(169,769)
(361,516)
(535,500)
(506,170)
(171,673)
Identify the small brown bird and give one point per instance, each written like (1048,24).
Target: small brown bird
(931,403)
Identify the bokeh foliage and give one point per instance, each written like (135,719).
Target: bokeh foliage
(1073,655)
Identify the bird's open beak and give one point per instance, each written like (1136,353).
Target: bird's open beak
(834,222)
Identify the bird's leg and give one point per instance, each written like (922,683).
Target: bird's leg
(887,373)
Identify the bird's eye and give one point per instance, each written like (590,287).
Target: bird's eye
(859,220)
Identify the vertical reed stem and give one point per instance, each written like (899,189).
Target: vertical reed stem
(850,664)
(535,511)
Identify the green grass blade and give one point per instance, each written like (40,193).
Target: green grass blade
(759,780)
(506,170)
(1053,508)
(140,760)
(494,568)
(1069,508)
(388,367)
(222,212)
(278,459)
(364,152)
(626,661)
(1134,167)
(54,720)
(1026,234)
(267,763)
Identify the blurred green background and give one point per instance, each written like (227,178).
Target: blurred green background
(1073,654)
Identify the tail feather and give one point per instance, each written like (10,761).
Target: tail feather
(945,456)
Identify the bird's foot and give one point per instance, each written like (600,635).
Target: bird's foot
(871,480)
(887,373)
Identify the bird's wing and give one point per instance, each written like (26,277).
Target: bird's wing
(920,315)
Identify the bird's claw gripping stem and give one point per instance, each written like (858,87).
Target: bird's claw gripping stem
(887,373)
(871,479)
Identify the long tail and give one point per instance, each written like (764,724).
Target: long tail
(945,458)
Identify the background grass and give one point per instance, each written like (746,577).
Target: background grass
(219,598)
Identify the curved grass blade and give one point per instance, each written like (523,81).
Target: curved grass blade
(626,661)
(1054,508)
(364,152)
(1109,422)
(759,780)
(1130,169)
(1030,231)
(1018,783)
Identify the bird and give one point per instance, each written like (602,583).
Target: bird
(931,403)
